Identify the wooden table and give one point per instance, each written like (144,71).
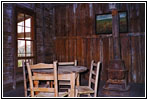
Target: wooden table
(64,73)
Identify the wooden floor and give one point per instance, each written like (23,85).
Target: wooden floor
(136,90)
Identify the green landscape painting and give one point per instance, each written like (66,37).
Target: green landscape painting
(104,23)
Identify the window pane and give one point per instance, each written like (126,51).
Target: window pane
(27,29)
(21,48)
(29,48)
(20,23)
(20,18)
(20,63)
(20,31)
(30,61)
(28,22)
(27,33)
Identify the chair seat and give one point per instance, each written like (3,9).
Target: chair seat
(84,89)
(45,94)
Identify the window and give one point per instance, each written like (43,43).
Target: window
(25,38)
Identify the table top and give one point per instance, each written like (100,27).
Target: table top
(62,70)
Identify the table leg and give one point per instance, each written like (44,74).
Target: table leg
(78,80)
(72,82)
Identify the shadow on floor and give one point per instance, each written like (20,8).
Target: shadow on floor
(136,90)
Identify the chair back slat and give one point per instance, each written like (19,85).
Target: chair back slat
(44,89)
(68,63)
(93,72)
(93,81)
(41,66)
(94,64)
(35,78)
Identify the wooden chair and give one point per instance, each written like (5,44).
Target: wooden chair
(26,79)
(64,82)
(93,81)
(44,91)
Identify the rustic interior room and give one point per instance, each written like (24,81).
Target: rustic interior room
(67,47)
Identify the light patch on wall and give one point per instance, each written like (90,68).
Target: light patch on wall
(74,8)
(134,76)
(9,12)
(9,39)
(137,11)
(54,38)
(91,9)
(27,5)
(41,48)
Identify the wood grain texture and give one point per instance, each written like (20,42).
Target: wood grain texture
(126,55)
(80,41)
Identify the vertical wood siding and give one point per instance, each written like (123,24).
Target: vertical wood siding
(76,38)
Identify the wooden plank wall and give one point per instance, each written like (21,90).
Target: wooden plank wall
(74,26)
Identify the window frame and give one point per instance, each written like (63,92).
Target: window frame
(32,26)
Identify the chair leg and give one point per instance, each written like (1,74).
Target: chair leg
(76,92)
(89,95)
(25,93)
(68,92)
(78,95)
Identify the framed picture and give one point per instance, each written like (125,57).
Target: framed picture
(104,23)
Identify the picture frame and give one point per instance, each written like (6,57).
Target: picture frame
(103,23)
